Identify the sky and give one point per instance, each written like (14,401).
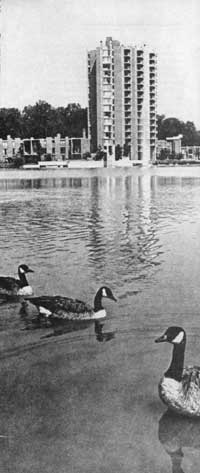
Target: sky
(44,49)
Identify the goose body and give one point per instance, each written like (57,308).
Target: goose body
(179,388)
(59,308)
(10,286)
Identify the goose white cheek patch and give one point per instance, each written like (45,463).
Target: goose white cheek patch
(178,338)
(104,293)
(21,270)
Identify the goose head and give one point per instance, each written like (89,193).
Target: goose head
(175,335)
(23,269)
(103,292)
(106,292)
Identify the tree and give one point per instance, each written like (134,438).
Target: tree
(160,119)
(172,127)
(10,123)
(164,154)
(42,120)
(100,154)
(190,136)
(38,120)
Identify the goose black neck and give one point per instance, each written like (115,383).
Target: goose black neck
(23,280)
(98,301)
(175,370)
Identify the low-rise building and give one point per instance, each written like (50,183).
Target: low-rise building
(173,146)
(52,148)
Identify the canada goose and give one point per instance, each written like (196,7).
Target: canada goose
(59,308)
(179,388)
(16,287)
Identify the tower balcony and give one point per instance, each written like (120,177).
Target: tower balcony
(127,73)
(127,93)
(140,80)
(127,86)
(106,60)
(127,63)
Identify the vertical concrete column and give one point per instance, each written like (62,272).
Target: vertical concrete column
(1,150)
(31,145)
(66,147)
(9,147)
(57,147)
(17,144)
(49,145)
(85,146)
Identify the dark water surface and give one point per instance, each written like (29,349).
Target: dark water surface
(73,401)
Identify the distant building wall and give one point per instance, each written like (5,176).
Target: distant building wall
(58,148)
(173,146)
(161,145)
(175,143)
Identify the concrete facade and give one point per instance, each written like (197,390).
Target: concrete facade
(56,148)
(175,143)
(122,99)
(173,146)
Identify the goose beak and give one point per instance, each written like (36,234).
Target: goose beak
(30,270)
(163,338)
(113,298)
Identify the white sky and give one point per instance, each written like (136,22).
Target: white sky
(45,42)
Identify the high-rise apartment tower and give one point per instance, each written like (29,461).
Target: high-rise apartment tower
(122,95)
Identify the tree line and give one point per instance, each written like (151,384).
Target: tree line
(42,120)
(172,127)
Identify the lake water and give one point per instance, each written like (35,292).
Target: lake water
(73,402)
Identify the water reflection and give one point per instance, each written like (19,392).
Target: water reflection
(123,228)
(176,434)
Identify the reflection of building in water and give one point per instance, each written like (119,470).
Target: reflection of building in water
(123,227)
(177,434)
(148,241)
(96,234)
(144,194)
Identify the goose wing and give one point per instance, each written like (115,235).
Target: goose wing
(62,307)
(8,284)
(191,378)
(191,391)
